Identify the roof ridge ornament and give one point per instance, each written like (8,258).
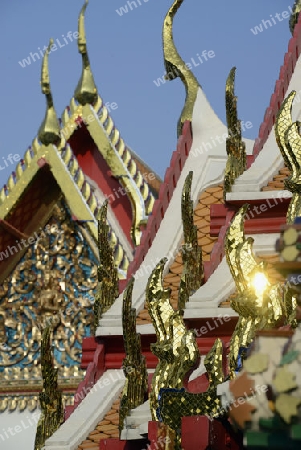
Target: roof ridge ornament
(235,146)
(49,131)
(288,140)
(175,66)
(86,91)
(295,15)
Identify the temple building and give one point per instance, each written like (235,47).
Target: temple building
(147,296)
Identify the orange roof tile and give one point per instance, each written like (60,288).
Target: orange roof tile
(277,183)
(106,429)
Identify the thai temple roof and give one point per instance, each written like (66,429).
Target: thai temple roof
(146,269)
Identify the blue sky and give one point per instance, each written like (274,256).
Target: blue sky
(126,57)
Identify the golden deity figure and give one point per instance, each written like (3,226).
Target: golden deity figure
(50,299)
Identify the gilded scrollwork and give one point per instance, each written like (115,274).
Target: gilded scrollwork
(54,283)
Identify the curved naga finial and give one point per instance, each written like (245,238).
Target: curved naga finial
(193,273)
(258,304)
(49,131)
(176,347)
(175,66)
(236,149)
(107,273)
(295,15)
(51,397)
(289,143)
(134,364)
(85,91)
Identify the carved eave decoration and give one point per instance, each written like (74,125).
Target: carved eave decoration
(178,355)
(175,66)
(289,142)
(193,270)
(236,149)
(51,399)
(87,104)
(258,303)
(134,364)
(107,274)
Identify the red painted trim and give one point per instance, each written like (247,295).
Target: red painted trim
(286,72)
(264,216)
(195,433)
(171,178)
(94,371)
(95,167)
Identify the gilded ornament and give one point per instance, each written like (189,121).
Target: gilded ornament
(86,91)
(177,403)
(134,365)
(53,284)
(175,66)
(295,15)
(236,149)
(176,347)
(107,274)
(49,132)
(193,271)
(258,304)
(51,397)
(289,142)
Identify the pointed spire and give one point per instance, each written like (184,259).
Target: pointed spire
(175,66)
(49,131)
(86,91)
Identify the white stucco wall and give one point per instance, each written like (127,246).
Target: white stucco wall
(18,429)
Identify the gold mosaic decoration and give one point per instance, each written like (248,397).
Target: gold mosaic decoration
(295,15)
(29,401)
(193,271)
(54,283)
(175,404)
(175,66)
(51,397)
(236,148)
(289,143)
(134,365)
(176,347)
(107,287)
(258,304)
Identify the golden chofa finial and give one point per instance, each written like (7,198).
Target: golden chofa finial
(175,66)
(295,15)
(86,91)
(49,131)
